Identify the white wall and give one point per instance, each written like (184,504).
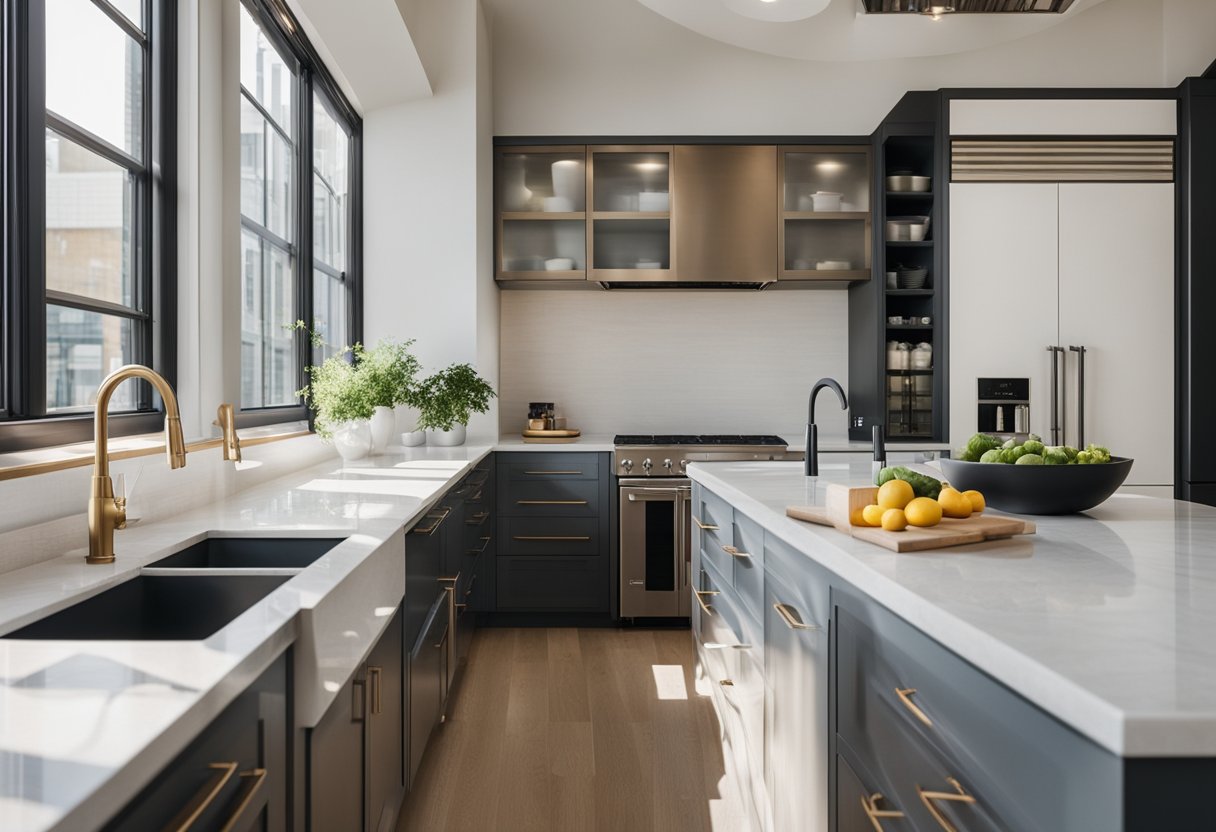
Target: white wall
(426,204)
(673,361)
(612,67)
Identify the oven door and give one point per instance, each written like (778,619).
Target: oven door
(655,547)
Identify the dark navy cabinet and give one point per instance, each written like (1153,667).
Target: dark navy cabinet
(234,776)
(554,533)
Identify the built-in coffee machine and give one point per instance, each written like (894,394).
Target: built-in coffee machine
(1004,406)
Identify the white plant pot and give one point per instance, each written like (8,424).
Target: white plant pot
(384,425)
(353,439)
(413,438)
(446,438)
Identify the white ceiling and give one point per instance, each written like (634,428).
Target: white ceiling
(838,30)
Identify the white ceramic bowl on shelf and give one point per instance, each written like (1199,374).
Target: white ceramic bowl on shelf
(558,204)
(559,264)
(825,201)
(834,265)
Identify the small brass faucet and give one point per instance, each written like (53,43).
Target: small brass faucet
(225,419)
(106,512)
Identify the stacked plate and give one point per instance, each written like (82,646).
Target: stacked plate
(908,278)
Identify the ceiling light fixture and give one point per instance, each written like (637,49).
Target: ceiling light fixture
(936,10)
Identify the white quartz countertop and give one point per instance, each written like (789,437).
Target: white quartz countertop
(795,444)
(84,725)
(585,443)
(1106,620)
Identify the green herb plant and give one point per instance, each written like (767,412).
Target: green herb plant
(390,371)
(450,396)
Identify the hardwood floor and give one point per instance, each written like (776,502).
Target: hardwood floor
(566,730)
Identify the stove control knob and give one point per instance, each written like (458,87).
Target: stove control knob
(683,465)
(626,465)
(647,464)
(667,465)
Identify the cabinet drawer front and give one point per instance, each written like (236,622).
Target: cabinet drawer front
(550,536)
(558,467)
(545,583)
(1022,766)
(863,805)
(428,683)
(568,498)
(748,564)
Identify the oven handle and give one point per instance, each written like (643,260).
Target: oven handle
(642,494)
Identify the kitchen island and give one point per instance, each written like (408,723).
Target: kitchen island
(1095,634)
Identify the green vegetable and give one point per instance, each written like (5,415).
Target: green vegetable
(1034,437)
(1055,456)
(1033,446)
(1084,457)
(993,455)
(1098,454)
(1009,445)
(1029,459)
(1009,456)
(922,485)
(977,446)
(1072,453)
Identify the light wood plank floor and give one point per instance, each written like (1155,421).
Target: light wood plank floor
(565,730)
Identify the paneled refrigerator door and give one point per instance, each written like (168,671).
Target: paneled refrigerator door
(1117,301)
(1003,286)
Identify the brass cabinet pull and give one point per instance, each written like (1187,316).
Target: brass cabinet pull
(705,527)
(701,600)
(469,591)
(205,797)
(553,473)
(727,683)
(870,806)
(252,781)
(791,618)
(550,502)
(449,579)
(958,796)
(905,696)
(550,537)
(437,517)
(485,542)
(373,676)
(462,607)
(478,518)
(733,552)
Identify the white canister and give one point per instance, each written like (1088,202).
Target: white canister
(825,201)
(922,356)
(570,181)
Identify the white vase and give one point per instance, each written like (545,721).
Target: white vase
(516,194)
(446,438)
(384,425)
(570,182)
(413,438)
(353,439)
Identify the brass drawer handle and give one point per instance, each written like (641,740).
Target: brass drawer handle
(870,806)
(701,600)
(550,502)
(727,683)
(704,526)
(252,780)
(373,675)
(791,618)
(734,553)
(437,517)
(485,542)
(554,473)
(905,696)
(206,796)
(550,537)
(449,579)
(478,518)
(469,591)
(958,796)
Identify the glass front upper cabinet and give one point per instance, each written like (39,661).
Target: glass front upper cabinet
(540,194)
(631,211)
(824,202)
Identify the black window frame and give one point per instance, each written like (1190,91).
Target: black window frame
(24,421)
(282,27)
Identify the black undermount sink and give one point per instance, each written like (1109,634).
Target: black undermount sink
(156,608)
(249,553)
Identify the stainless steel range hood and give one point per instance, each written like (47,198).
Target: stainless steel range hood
(935,7)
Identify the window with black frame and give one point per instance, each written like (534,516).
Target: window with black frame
(87,159)
(299,238)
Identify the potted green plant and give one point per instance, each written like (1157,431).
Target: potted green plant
(447,400)
(389,370)
(343,404)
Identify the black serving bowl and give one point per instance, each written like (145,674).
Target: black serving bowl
(1039,489)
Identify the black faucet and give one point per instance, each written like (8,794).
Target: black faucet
(811,464)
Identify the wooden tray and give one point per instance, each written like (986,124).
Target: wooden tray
(551,434)
(950,532)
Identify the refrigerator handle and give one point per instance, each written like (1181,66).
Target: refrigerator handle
(1080,351)
(1055,426)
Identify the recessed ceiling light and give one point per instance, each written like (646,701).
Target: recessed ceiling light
(768,1)
(936,10)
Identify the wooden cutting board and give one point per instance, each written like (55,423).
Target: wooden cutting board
(551,434)
(950,532)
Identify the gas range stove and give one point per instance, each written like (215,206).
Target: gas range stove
(668,455)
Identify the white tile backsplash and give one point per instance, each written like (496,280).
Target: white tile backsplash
(678,361)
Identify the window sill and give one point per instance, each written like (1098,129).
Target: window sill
(46,460)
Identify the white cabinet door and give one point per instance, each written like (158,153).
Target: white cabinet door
(1003,285)
(1117,300)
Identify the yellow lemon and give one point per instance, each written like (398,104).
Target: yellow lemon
(857,518)
(895,494)
(977,500)
(872,515)
(954,504)
(924,511)
(894,520)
